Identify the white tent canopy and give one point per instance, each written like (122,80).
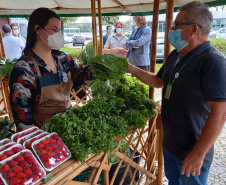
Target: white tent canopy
(83,7)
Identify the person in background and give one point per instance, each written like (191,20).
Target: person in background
(115,44)
(42,79)
(15,32)
(109,32)
(13,45)
(193,108)
(139,44)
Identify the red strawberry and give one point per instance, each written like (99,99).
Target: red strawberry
(23,134)
(28,171)
(57,151)
(34,139)
(44,135)
(4,168)
(58,142)
(31,160)
(40,173)
(16,149)
(34,129)
(57,160)
(29,132)
(63,148)
(42,152)
(10,175)
(24,182)
(34,167)
(28,145)
(51,154)
(24,164)
(26,154)
(39,132)
(34,177)
(45,142)
(62,157)
(17,169)
(14,181)
(6,142)
(55,136)
(21,175)
(22,141)
(48,148)
(12,163)
(66,153)
(49,165)
(45,158)
(39,146)
(54,145)
(16,137)
(51,140)
(19,158)
(9,153)
(2,157)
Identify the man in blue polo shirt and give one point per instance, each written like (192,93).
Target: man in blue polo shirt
(109,32)
(193,98)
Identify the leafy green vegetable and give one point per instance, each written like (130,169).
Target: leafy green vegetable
(6,67)
(109,67)
(5,128)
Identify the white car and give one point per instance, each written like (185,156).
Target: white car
(67,39)
(220,33)
(160,50)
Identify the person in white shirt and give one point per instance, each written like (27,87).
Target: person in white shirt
(15,32)
(13,45)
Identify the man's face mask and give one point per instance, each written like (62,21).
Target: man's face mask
(110,31)
(119,31)
(55,41)
(16,32)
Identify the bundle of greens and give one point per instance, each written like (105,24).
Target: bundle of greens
(109,67)
(109,115)
(6,128)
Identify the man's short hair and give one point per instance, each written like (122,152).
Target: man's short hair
(13,24)
(199,13)
(119,22)
(6,28)
(141,20)
(108,27)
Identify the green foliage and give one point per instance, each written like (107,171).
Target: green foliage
(219,44)
(84,27)
(6,67)
(127,25)
(76,54)
(66,48)
(5,128)
(110,20)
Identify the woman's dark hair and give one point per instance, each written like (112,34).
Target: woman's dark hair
(39,17)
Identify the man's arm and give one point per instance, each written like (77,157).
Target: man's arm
(145,37)
(148,78)
(108,50)
(214,124)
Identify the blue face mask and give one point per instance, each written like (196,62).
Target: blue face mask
(175,39)
(110,31)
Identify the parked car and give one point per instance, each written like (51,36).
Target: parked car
(78,39)
(67,39)
(160,50)
(220,33)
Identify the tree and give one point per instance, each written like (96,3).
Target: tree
(66,20)
(83,27)
(128,25)
(110,20)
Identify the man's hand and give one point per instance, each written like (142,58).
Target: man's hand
(115,50)
(192,164)
(135,47)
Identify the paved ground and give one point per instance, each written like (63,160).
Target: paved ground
(217,175)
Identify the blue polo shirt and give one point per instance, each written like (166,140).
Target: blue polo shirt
(105,37)
(184,114)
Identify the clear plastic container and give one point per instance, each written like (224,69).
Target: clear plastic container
(10,151)
(4,147)
(28,142)
(5,141)
(23,133)
(23,139)
(51,151)
(24,167)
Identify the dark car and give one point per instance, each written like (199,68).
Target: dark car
(78,39)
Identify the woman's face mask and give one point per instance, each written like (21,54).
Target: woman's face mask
(55,41)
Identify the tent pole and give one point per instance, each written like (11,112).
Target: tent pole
(100,28)
(94,27)
(2,46)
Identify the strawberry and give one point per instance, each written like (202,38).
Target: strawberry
(66,153)
(14,181)
(42,152)
(48,148)
(55,136)
(35,129)
(28,171)
(51,140)
(39,132)
(4,168)
(63,148)
(21,175)
(23,134)
(39,146)
(51,154)
(26,154)
(34,139)
(34,167)
(16,149)
(10,175)
(19,158)
(29,132)
(12,163)
(28,145)
(22,141)
(54,145)
(57,160)
(34,177)
(45,158)
(57,151)
(31,160)
(9,153)
(6,142)
(17,169)
(16,137)
(2,157)
(24,164)
(62,157)
(40,173)
(45,142)
(58,142)
(49,165)
(24,182)
(44,135)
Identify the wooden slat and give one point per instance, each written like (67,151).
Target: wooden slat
(2,46)
(100,28)
(118,3)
